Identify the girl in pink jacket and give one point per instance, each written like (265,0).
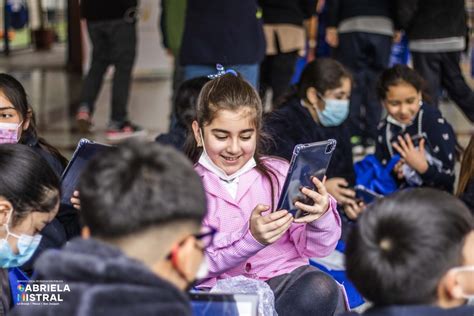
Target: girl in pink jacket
(242,189)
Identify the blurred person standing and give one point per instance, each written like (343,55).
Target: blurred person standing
(362,33)
(285,37)
(228,33)
(172,26)
(113,35)
(437,32)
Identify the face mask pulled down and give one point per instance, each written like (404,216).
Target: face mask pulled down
(207,162)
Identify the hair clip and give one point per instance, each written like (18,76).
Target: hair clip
(221,71)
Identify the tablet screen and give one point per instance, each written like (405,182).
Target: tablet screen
(308,160)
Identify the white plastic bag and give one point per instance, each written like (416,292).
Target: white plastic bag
(243,285)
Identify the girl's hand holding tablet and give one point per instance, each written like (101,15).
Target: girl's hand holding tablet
(320,199)
(267,229)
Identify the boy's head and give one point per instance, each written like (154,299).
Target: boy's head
(146,199)
(404,248)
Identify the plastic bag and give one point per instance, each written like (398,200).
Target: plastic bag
(242,285)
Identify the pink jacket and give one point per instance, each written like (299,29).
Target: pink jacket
(236,252)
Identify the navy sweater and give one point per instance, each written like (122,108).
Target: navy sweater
(441,144)
(293,124)
(226,32)
(429,19)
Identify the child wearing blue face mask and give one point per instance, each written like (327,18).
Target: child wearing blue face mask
(317,111)
(29,200)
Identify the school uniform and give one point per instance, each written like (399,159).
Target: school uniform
(440,144)
(235,251)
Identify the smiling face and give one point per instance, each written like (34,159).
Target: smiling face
(402,102)
(230,139)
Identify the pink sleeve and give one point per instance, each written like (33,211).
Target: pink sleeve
(228,250)
(319,238)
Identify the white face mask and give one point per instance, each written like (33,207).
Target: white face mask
(10,133)
(465,278)
(203,270)
(207,163)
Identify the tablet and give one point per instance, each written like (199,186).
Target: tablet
(216,304)
(366,195)
(84,152)
(308,160)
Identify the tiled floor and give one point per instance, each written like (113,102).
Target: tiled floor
(53,94)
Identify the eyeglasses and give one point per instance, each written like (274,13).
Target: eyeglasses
(205,238)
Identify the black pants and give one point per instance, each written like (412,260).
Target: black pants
(307,291)
(113,43)
(275,73)
(441,70)
(366,56)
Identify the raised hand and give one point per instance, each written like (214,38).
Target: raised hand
(414,157)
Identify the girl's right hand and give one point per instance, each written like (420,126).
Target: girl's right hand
(75,201)
(267,229)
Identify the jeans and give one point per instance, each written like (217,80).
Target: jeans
(250,72)
(113,44)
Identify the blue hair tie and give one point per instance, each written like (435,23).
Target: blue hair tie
(221,71)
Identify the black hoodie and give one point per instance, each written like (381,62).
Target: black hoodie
(103,281)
